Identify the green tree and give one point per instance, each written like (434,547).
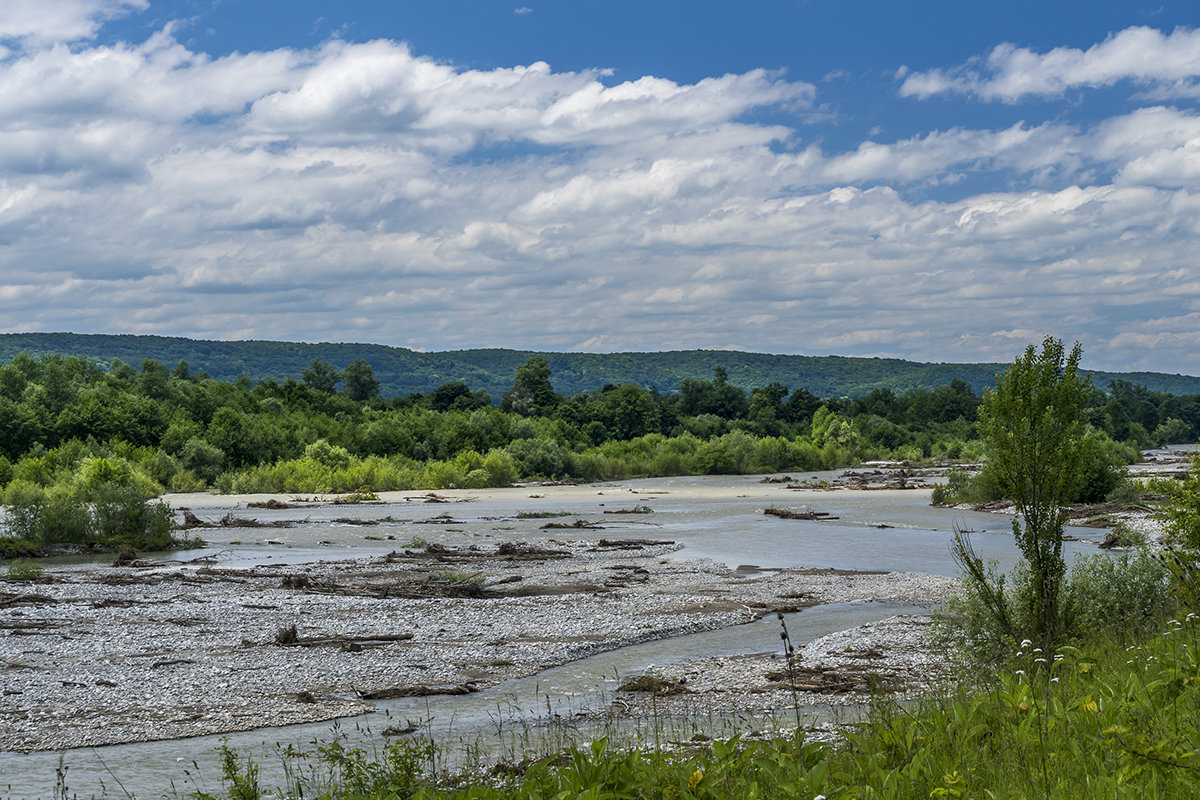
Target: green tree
(1032,422)
(360,381)
(532,393)
(152,381)
(20,427)
(457,396)
(628,411)
(800,406)
(202,458)
(320,377)
(1173,431)
(766,403)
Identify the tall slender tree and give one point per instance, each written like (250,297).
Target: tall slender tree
(1033,424)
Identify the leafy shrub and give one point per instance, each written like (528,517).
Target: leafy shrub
(1172,431)
(500,467)
(96,472)
(202,458)
(33,468)
(1125,535)
(24,502)
(538,458)
(116,516)
(126,515)
(1117,595)
(594,466)
(160,466)
(63,518)
(328,455)
(1126,493)
(442,475)
(1180,514)
(960,487)
(1184,569)
(476,479)
(185,481)
(1102,466)
(1105,596)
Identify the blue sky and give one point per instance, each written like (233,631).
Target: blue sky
(929,180)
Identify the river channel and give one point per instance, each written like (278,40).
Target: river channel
(718,518)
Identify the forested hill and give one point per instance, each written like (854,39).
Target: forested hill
(401,371)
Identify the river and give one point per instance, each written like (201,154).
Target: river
(719,518)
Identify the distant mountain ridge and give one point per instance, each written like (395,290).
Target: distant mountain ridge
(401,371)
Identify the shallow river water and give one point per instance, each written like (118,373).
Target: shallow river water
(720,518)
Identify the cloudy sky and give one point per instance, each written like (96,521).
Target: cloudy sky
(929,180)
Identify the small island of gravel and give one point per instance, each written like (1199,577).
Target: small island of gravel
(105,654)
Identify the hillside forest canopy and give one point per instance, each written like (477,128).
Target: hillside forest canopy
(401,371)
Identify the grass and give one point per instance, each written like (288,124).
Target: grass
(457,576)
(22,569)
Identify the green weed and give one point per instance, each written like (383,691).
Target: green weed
(22,569)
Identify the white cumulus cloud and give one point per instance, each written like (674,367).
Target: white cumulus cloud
(358,191)
(34,22)
(1168,62)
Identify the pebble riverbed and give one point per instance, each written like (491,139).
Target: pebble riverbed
(102,655)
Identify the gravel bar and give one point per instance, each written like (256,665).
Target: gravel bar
(103,655)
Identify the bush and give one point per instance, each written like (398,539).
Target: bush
(1104,596)
(124,515)
(1125,535)
(973,630)
(328,455)
(1172,431)
(117,516)
(63,518)
(960,487)
(538,458)
(500,467)
(1119,596)
(202,459)
(1125,493)
(1102,466)
(185,481)
(443,475)
(1180,515)
(24,502)
(1184,569)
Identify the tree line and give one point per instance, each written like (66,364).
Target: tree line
(173,429)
